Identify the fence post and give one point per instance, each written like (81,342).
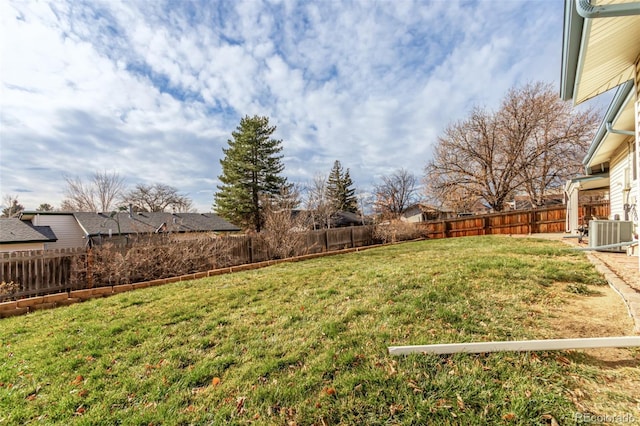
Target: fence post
(532,221)
(353,244)
(89,267)
(326,240)
(250,249)
(487,225)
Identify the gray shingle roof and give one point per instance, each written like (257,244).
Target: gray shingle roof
(145,222)
(15,230)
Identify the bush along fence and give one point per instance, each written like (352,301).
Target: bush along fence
(112,268)
(45,272)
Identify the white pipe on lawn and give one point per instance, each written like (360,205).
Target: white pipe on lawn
(607,246)
(521,345)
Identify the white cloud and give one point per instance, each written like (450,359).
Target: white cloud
(154,93)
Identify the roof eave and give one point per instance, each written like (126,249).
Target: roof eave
(571,46)
(618,102)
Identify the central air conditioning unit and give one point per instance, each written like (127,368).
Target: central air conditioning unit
(608,232)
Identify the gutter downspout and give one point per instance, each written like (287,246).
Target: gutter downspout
(610,129)
(589,11)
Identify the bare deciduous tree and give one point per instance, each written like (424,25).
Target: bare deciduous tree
(284,229)
(472,154)
(532,143)
(454,198)
(157,198)
(396,192)
(319,203)
(100,194)
(560,139)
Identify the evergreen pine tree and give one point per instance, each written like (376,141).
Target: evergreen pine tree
(250,170)
(340,189)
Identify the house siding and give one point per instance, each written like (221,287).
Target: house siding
(621,175)
(66,228)
(23,247)
(412,215)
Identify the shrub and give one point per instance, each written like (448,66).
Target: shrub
(397,230)
(150,259)
(7,289)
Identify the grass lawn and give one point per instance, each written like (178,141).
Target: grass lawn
(306,343)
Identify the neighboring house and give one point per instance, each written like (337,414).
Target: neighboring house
(80,229)
(341,219)
(424,212)
(64,226)
(16,235)
(523,201)
(581,188)
(338,219)
(601,51)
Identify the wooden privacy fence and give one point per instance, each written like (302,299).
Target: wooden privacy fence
(51,271)
(251,249)
(534,221)
(40,271)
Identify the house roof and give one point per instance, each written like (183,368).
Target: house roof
(151,222)
(14,230)
(344,218)
(585,183)
(427,208)
(601,43)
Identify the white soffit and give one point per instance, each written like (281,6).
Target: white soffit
(611,142)
(610,48)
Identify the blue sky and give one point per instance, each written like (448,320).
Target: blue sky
(152,90)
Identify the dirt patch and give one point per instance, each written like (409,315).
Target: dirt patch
(615,372)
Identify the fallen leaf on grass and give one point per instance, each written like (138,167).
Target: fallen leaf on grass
(509,417)
(196,391)
(460,402)
(391,368)
(330,391)
(240,404)
(413,385)
(80,411)
(215,381)
(443,403)
(393,409)
(79,379)
(550,420)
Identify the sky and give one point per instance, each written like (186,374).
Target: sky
(152,90)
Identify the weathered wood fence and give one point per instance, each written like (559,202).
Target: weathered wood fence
(50,271)
(249,249)
(534,221)
(41,272)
